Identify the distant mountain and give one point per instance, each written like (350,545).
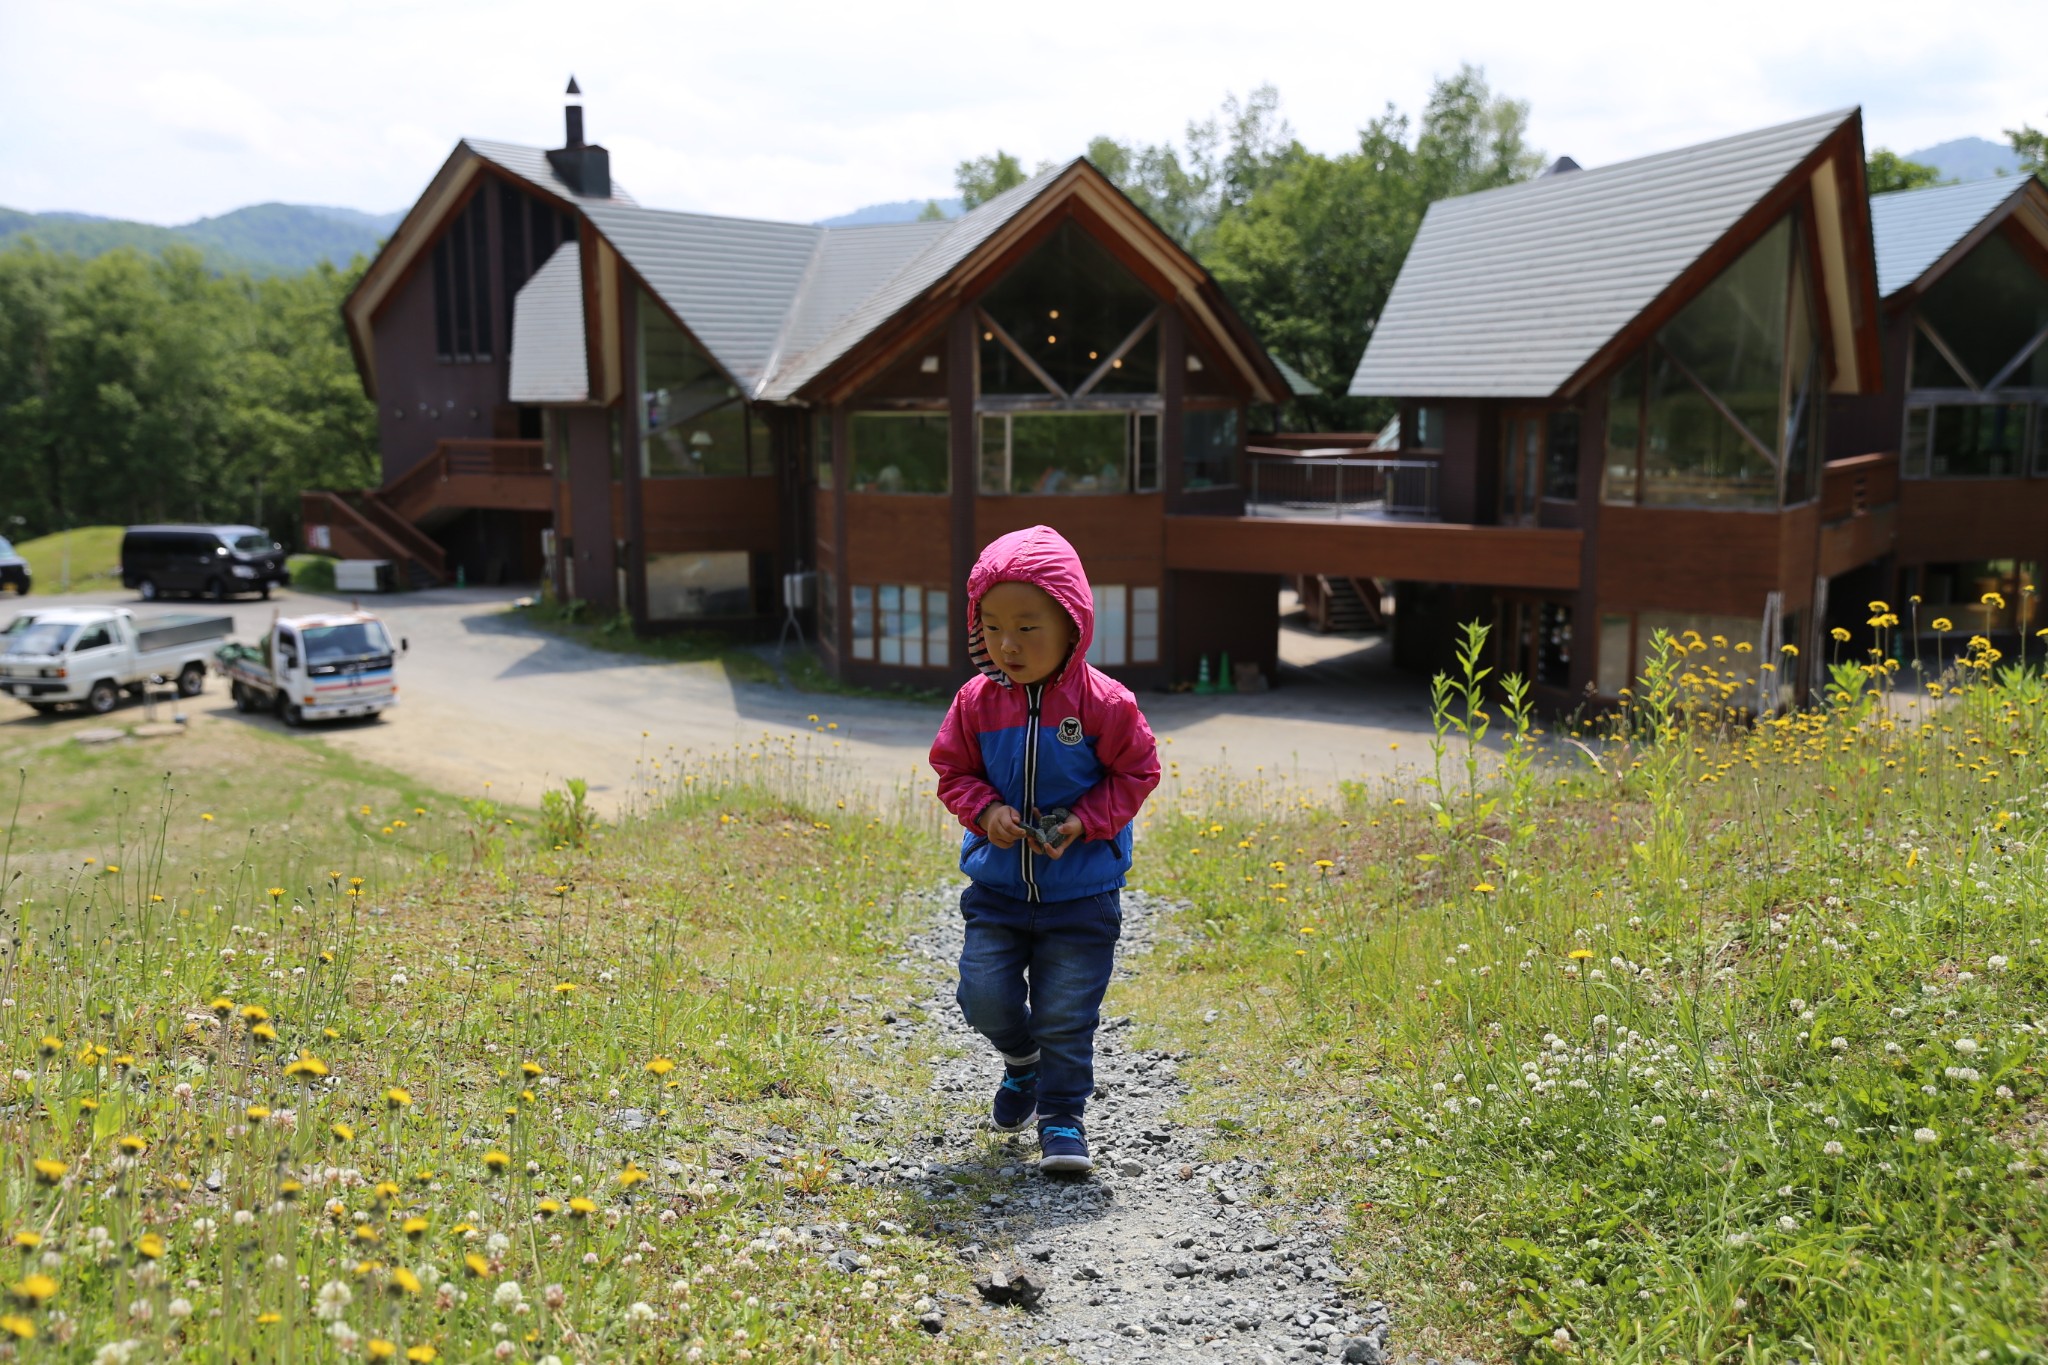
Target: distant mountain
(902,211)
(264,239)
(1968,158)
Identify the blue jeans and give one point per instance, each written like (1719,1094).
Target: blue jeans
(1031,982)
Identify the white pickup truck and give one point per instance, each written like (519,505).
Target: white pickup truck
(315,668)
(55,656)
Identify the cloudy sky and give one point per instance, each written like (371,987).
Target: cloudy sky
(166,110)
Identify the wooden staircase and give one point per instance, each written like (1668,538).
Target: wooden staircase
(393,522)
(1337,605)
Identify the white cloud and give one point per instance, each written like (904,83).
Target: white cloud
(169,109)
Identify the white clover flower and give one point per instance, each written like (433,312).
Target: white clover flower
(1966,1046)
(1996,962)
(332,1301)
(178,1309)
(1832,1148)
(1838,1043)
(508,1294)
(1787,1223)
(640,1312)
(1926,1137)
(1657,1121)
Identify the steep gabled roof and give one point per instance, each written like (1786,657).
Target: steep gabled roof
(1915,229)
(942,252)
(731,281)
(531,164)
(550,360)
(1510,292)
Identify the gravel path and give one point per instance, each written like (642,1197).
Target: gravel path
(1155,1257)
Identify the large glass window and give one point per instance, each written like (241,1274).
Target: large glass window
(686,587)
(1988,310)
(1210,441)
(821,449)
(1967,440)
(900,624)
(1126,626)
(1144,625)
(1729,389)
(1069,452)
(898,452)
(694,422)
(1069,320)
(1979,370)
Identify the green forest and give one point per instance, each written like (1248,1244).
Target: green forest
(137,387)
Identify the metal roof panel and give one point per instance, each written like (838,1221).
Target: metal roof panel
(1915,228)
(1509,291)
(550,357)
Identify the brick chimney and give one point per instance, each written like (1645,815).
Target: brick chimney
(584,167)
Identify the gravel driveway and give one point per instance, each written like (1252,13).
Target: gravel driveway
(486,697)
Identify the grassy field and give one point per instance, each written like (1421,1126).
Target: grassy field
(1720,1042)
(1724,1044)
(95,563)
(485,1086)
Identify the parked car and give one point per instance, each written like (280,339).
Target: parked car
(315,668)
(14,570)
(54,656)
(215,562)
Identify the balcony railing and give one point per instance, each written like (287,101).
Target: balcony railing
(1340,487)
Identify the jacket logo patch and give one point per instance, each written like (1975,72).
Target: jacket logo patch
(1070,730)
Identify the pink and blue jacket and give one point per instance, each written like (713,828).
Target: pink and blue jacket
(1076,740)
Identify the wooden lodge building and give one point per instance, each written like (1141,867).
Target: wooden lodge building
(1670,392)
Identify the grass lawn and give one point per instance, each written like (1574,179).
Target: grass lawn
(571,1087)
(1727,1047)
(95,563)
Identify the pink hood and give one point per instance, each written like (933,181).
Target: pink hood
(1040,556)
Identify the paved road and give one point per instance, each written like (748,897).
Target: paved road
(487,698)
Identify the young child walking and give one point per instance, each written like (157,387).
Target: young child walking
(1045,761)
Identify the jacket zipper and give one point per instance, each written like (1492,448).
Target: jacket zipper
(1034,696)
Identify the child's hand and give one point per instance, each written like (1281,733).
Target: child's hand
(1070,834)
(1003,825)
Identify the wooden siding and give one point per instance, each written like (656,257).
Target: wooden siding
(1434,552)
(1121,537)
(897,538)
(1952,519)
(707,514)
(1717,562)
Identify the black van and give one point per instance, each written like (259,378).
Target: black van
(207,561)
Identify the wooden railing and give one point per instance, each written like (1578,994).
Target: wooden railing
(1327,485)
(374,533)
(413,492)
(1852,487)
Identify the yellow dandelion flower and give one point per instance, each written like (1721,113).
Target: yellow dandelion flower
(35,1289)
(289,1188)
(28,1239)
(1482,887)
(366,1233)
(531,1068)
(380,1349)
(565,988)
(422,1353)
(1942,623)
(255,1014)
(256,1113)
(132,1145)
(306,1065)
(269,1319)
(1580,954)
(221,1006)
(414,1227)
(343,1132)
(51,1045)
(496,1162)
(1839,635)
(49,1171)
(580,1207)
(476,1265)
(631,1176)
(265,1032)
(15,1325)
(1791,651)
(397,1097)
(661,1066)
(403,1281)
(548,1208)
(385,1190)
(151,1246)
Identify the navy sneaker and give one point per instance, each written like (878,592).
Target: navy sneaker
(1064,1144)
(1016,1102)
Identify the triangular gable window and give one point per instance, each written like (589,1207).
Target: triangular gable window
(1067,322)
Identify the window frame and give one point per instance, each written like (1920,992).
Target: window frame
(870,601)
(1136,419)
